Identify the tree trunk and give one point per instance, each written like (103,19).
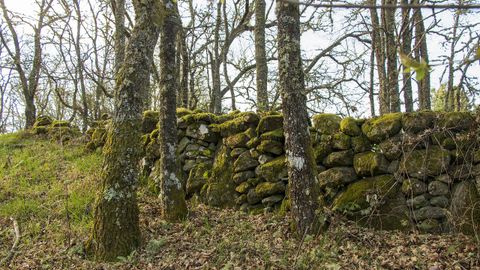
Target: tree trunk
(184,71)
(371,90)
(391,49)
(119,39)
(304,190)
(172,195)
(260,56)
(421,53)
(378,41)
(216,102)
(406,35)
(116,230)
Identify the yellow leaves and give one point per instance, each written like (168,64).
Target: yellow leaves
(477,53)
(421,68)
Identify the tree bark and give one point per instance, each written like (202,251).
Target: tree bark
(116,230)
(378,41)
(391,53)
(120,33)
(216,102)
(172,195)
(185,70)
(421,53)
(304,190)
(260,56)
(406,35)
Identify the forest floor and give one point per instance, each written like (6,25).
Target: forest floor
(49,189)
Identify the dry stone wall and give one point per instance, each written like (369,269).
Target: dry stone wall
(399,171)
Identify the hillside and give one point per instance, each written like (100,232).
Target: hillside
(49,189)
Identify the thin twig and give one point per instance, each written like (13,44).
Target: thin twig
(6,261)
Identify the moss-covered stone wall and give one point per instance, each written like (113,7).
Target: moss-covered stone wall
(400,171)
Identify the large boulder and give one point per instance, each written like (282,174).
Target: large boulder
(425,162)
(370,164)
(326,123)
(383,127)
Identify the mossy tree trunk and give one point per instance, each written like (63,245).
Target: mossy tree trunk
(260,56)
(172,195)
(304,190)
(116,230)
(119,38)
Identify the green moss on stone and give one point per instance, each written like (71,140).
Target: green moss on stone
(326,123)
(237,141)
(383,127)
(355,196)
(375,202)
(350,127)
(427,162)
(269,146)
(341,141)
(220,189)
(274,135)
(418,121)
(266,189)
(182,112)
(198,118)
(360,144)
(197,178)
(321,151)
(239,124)
(150,120)
(42,121)
(270,122)
(273,170)
(370,164)
(60,123)
(456,121)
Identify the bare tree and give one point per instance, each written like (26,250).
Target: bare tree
(29,74)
